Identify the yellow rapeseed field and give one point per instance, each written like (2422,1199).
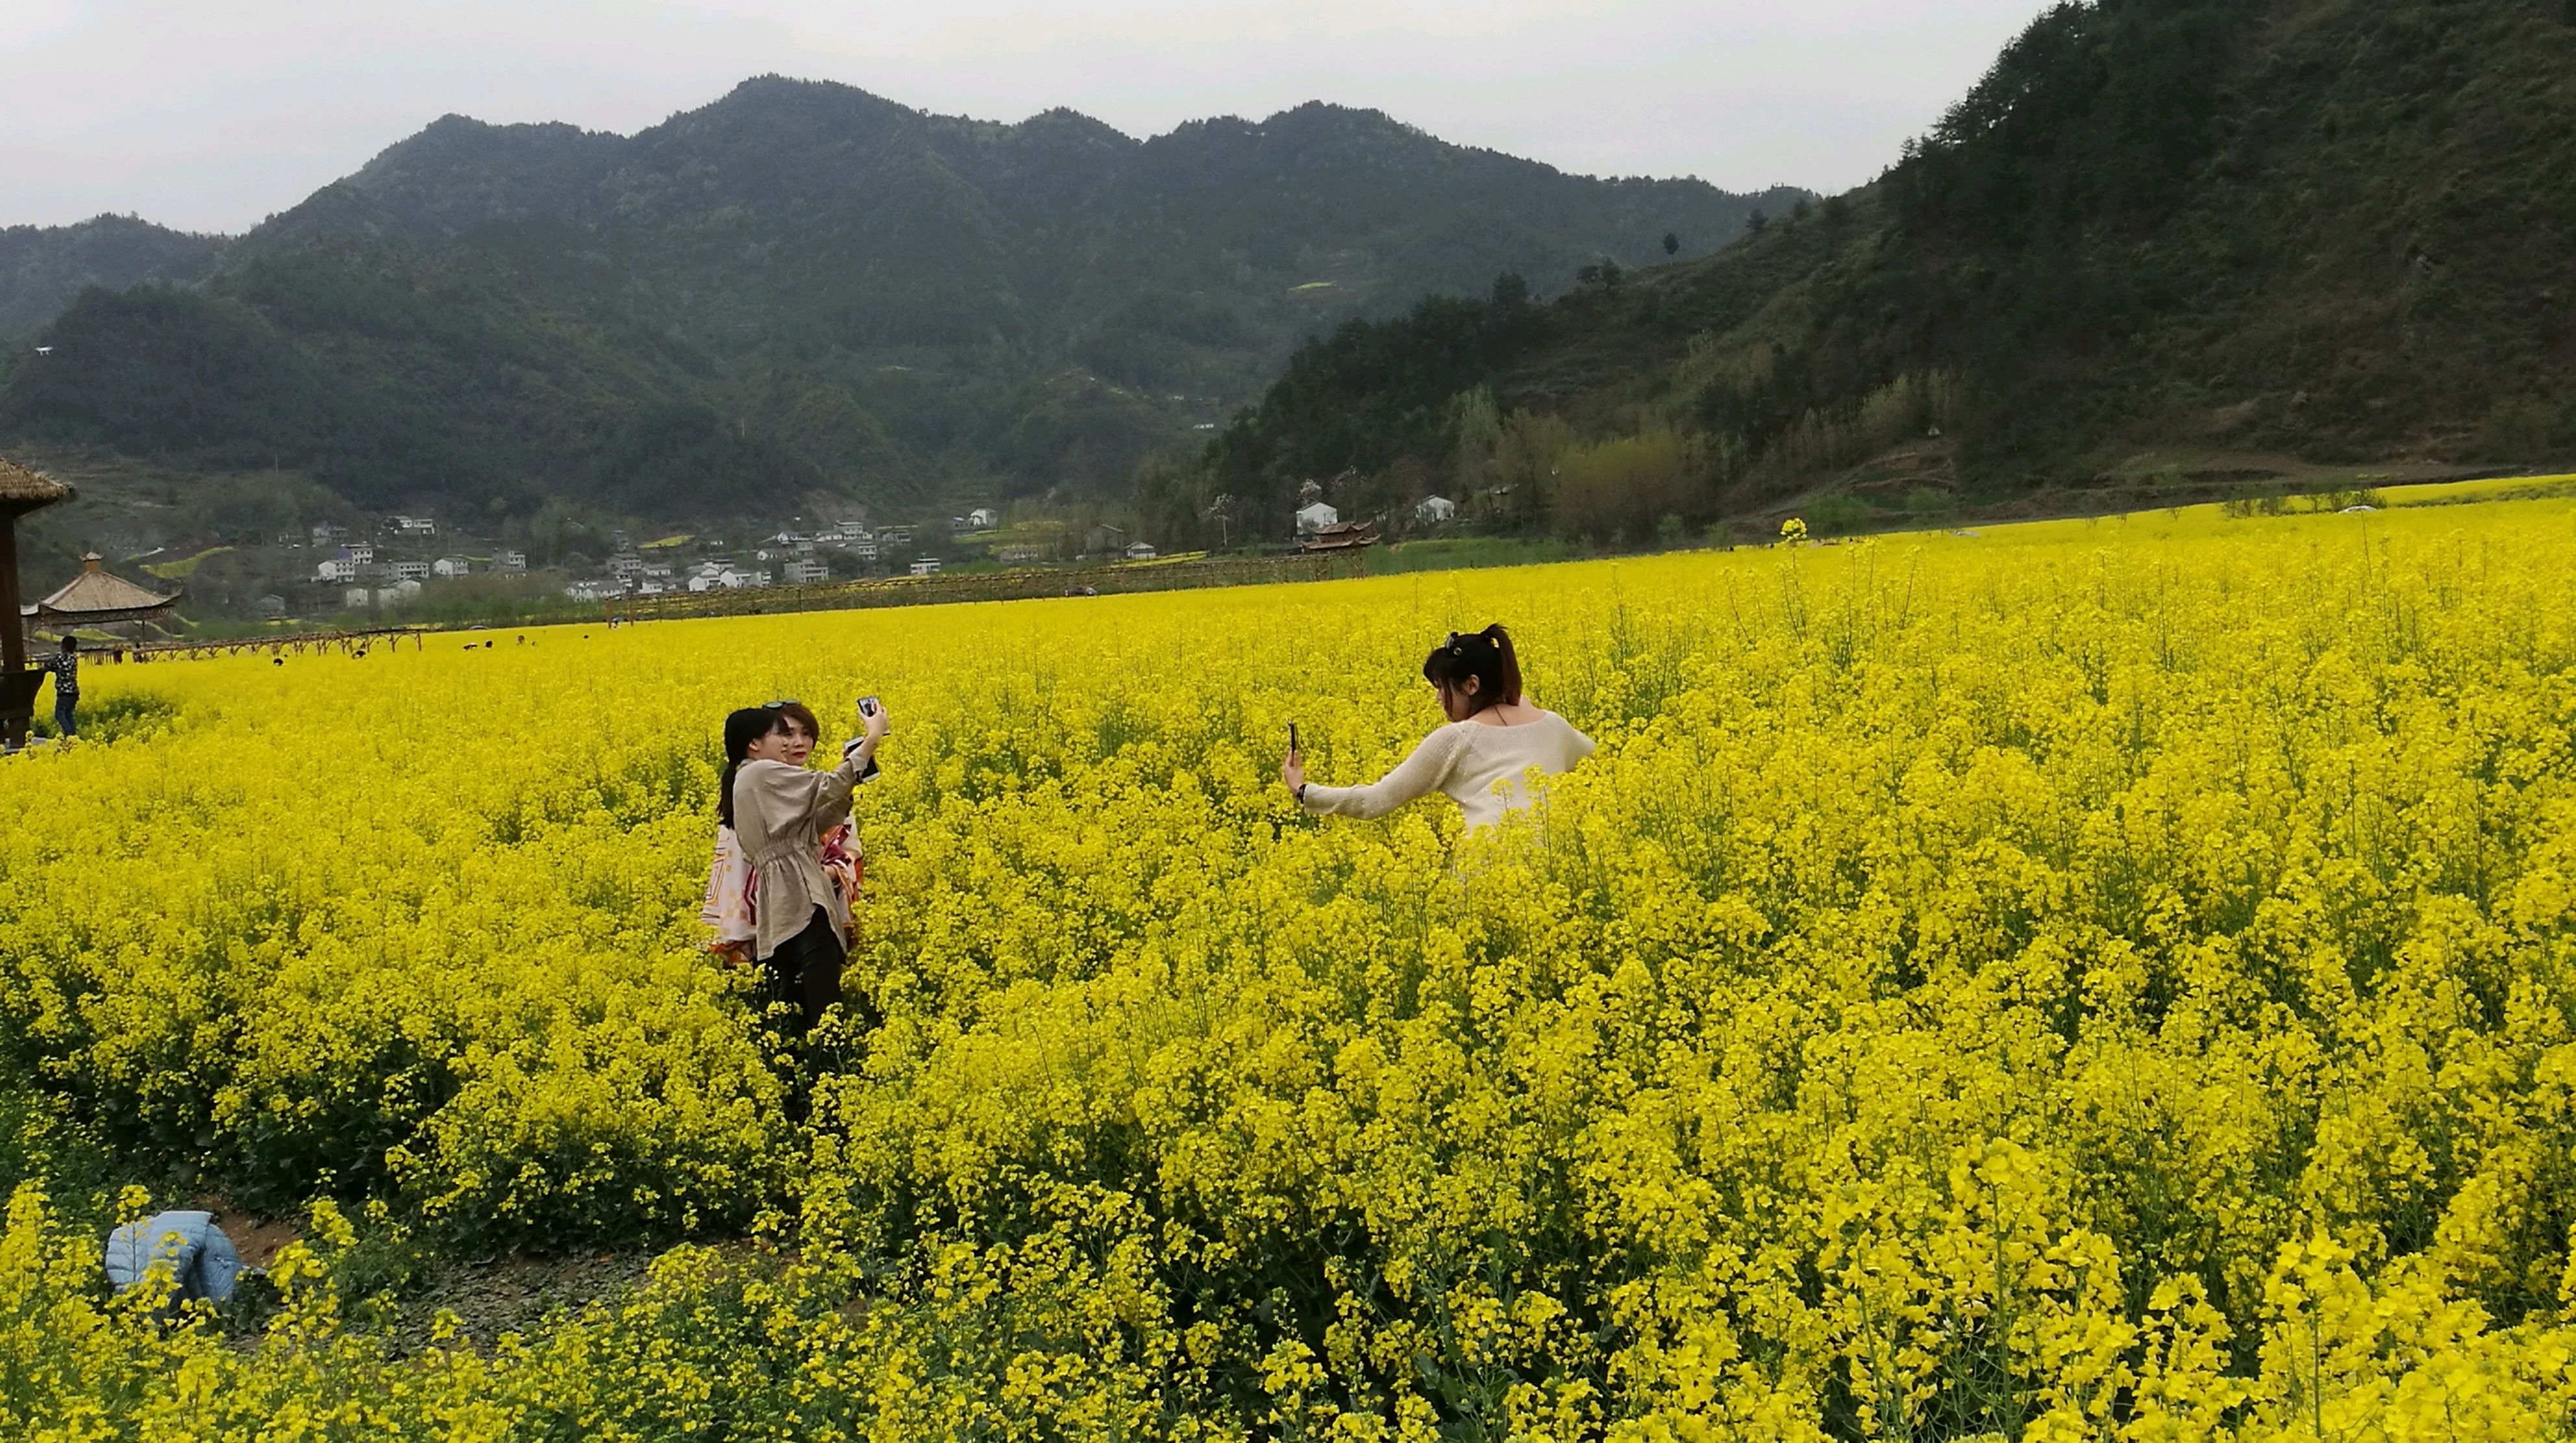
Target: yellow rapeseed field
(2088,980)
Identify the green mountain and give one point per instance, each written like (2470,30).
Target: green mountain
(801,288)
(43,267)
(2160,239)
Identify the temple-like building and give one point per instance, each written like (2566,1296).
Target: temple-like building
(97,600)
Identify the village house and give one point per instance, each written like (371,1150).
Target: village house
(1018,555)
(724,576)
(983,518)
(1433,510)
(926,566)
(804,571)
(1314,516)
(509,563)
(272,606)
(411,571)
(1140,551)
(341,565)
(449,568)
(411,526)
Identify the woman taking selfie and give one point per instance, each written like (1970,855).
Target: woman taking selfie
(779,812)
(1492,739)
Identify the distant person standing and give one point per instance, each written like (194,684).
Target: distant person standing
(65,667)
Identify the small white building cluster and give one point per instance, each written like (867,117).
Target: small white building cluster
(725,576)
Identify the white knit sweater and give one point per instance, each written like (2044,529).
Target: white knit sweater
(1478,765)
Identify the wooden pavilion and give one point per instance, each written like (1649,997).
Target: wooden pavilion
(21,491)
(96,599)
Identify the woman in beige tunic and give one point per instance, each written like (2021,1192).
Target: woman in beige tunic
(1492,740)
(779,810)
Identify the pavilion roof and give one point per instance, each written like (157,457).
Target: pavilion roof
(96,596)
(25,490)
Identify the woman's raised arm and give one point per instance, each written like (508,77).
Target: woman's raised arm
(1424,771)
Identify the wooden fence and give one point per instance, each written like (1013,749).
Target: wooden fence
(296,643)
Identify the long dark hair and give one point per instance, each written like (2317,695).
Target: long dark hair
(1485,655)
(742,728)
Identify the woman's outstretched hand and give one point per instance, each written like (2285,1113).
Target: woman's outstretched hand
(877,723)
(1293,772)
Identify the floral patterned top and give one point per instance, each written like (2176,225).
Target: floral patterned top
(732,906)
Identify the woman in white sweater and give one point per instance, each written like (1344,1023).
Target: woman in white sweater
(1492,740)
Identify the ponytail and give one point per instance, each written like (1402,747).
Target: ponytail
(1485,655)
(724,791)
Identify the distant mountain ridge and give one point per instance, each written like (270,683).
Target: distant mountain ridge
(2159,239)
(42,268)
(800,287)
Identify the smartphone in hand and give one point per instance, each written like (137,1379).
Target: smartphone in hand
(1292,739)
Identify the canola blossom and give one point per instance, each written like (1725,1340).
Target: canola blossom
(2091,980)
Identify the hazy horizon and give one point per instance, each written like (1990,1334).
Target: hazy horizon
(210,122)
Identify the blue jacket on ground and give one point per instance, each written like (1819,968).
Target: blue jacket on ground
(202,1261)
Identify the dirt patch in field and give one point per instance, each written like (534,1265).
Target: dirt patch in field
(493,1296)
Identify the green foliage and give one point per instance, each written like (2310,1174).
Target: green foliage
(2336,231)
(43,268)
(1619,489)
(1459,553)
(799,287)
(1837,515)
(2522,430)
(1371,392)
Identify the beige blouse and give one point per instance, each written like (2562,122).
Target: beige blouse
(780,814)
(1480,766)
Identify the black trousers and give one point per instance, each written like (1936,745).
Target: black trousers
(805,972)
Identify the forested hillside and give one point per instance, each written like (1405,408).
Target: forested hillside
(801,288)
(2159,235)
(43,267)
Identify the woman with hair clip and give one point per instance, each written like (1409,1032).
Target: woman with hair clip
(781,817)
(1492,739)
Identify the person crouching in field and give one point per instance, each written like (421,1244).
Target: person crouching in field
(787,830)
(1492,739)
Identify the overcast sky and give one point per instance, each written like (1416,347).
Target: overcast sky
(209,114)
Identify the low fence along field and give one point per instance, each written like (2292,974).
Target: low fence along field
(2085,980)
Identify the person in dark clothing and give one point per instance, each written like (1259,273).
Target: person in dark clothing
(65,667)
